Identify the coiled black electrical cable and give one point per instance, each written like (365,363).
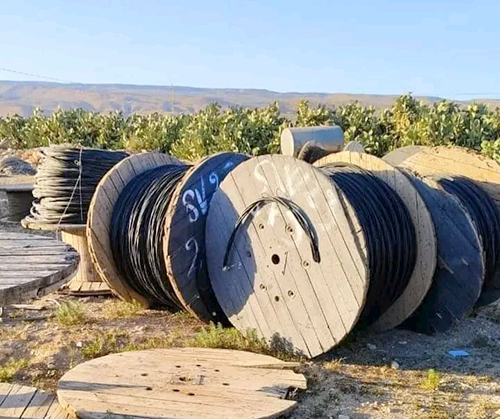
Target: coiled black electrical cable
(485,215)
(389,233)
(136,233)
(65,182)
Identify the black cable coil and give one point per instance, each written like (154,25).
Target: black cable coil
(136,235)
(389,233)
(484,213)
(65,182)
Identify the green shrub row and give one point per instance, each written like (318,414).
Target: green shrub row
(257,131)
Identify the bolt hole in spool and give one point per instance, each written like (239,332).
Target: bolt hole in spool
(275,259)
(276,298)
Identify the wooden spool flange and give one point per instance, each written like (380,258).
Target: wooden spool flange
(184,241)
(458,278)
(86,281)
(100,212)
(425,265)
(273,285)
(354,146)
(455,161)
(191,383)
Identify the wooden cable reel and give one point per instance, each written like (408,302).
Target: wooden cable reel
(100,212)
(272,283)
(184,234)
(455,161)
(459,274)
(421,279)
(184,242)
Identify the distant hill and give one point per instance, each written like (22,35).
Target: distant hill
(23,97)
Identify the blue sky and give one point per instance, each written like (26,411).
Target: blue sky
(442,48)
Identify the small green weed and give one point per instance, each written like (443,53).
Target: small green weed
(115,309)
(70,313)
(432,381)
(9,370)
(215,336)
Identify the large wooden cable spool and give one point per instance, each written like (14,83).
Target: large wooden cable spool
(425,265)
(183,383)
(86,281)
(272,283)
(459,274)
(101,210)
(184,241)
(455,161)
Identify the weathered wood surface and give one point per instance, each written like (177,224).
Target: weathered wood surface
(459,276)
(21,402)
(86,281)
(425,265)
(180,383)
(184,241)
(273,285)
(100,212)
(32,266)
(426,161)
(455,161)
(355,146)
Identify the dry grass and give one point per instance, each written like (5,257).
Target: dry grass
(116,309)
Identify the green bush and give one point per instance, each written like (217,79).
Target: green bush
(257,131)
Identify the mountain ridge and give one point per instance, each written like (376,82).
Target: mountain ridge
(22,97)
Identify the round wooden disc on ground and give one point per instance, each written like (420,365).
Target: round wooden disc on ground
(184,242)
(100,212)
(456,161)
(459,275)
(32,266)
(425,265)
(273,283)
(182,383)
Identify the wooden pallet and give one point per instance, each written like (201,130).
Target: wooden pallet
(23,402)
(194,383)
(31,266)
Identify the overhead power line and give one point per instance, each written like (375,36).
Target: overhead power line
(35,75)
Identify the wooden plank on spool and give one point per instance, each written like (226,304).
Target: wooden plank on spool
(273,285)
(184,241)
(425,265)
(459,275)
(26,273)
(100,212)
(455,161)
(182,383)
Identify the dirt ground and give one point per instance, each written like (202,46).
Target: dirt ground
(398,374)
